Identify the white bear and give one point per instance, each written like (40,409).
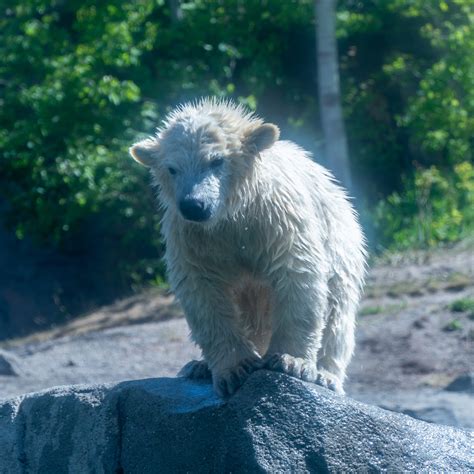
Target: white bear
(263,248)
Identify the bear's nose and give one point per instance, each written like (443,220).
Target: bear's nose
(194,209)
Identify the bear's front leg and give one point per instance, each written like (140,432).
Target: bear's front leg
(299,318)
(230,356)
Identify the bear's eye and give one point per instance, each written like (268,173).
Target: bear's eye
(172,171)
(216,163)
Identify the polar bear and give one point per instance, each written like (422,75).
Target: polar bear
(263,248)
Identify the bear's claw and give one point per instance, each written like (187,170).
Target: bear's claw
(295,366)
(226,382)
(303,369)
(328,380)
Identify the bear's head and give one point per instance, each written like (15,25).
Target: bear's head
(204,156)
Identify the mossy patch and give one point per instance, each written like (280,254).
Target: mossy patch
(370,310)
(411,288)
(463,305)
(456,281)
(453,325)
(379,309)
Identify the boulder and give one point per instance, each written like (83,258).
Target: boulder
(274,423)
(8,364)
(463,383)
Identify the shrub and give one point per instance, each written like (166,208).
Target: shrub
(434,208)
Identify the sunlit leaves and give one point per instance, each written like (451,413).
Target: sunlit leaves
(434,208)
(80,80)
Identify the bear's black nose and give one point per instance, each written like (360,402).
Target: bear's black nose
(194,209)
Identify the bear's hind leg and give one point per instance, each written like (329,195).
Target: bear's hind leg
(336,348)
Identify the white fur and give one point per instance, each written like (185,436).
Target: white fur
(279,267)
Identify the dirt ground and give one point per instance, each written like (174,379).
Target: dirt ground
(410,334)
(415,335)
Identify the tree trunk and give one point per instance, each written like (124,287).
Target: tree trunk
(335,141)
(176,12)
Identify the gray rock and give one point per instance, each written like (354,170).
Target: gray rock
(440,415)
(463,383)
(7,364)
(427,404)
(273,424)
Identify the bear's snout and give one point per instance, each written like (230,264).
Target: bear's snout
(194,209)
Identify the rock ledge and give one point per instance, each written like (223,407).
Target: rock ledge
(273,424)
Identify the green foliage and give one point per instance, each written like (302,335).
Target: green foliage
(464,305)
(388,309)
(453,325)
(410,99)
(67,117)
(440,115)
(433,208)
(81,80)
(370,310)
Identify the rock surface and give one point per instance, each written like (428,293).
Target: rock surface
(160,349)
(463,383)
(273,424)
(7,364)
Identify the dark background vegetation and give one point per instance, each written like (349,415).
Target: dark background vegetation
(80,81)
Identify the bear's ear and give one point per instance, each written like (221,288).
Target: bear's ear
(261,137)
(145,152)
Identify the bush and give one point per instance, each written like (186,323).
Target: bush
(69,110)
(434,208)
